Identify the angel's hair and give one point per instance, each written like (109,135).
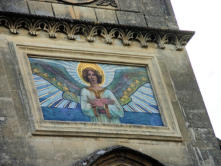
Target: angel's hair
(85,75)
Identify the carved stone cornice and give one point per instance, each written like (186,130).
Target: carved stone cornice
(34,25)
(98,2)
(78,1)
(106,3)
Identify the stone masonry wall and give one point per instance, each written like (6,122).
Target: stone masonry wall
(18,147)
(199,136)
(141,13)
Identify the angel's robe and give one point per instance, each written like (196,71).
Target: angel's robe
(114,110)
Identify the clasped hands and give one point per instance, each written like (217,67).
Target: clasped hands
(101,102)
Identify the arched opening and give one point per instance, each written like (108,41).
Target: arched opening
(118,156)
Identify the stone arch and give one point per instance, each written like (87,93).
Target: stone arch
(118,156)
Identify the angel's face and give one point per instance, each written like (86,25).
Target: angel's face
(92,77)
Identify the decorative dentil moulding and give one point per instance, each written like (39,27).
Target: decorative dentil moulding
(90,31)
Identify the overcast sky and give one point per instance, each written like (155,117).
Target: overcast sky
(204,50)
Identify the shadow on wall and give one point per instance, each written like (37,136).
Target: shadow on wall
(219,142)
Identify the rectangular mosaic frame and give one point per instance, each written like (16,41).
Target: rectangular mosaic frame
(123,94)
(170,130)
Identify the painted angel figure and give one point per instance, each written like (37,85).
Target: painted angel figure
(92,92)
(99,103)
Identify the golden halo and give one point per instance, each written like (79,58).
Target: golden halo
(82,66)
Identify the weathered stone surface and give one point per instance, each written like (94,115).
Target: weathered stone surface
(4,88)
(208,157)
(130,18)
(106,16)
(216,155)
(171,22)
(43,8)
(6,108)
(130,5)
(190,100)
(63,11)
(169,7)
(19,147)
(40,8)
(20,104)
(205,138)
(161,22)
(158,22)
(10,70)
(199,119)
(17,6)
(2,119)
(16,152)
(4,81)
(3,78)
(155,7)
(85,13)
(184,82)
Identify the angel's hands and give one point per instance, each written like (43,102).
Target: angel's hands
(101,102)
(108,101)
(96,103)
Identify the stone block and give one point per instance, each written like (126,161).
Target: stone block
(131,5)
(17,152)
(216,153)
(85,14)
(11,69)
(158,22)
(15,6)
(198,119)
(190,100)
(205,138)
(155,7)
(6,109)
(3,77)
(4,88)
(184,80)
(5,93)
(106,16)
(3,41)
(210,157)
(9,77)
(19,102)
(2,119)
(3,85)
(2,123)
(132,19)
(11,129)
(171,22)
(63,11)
(185,84)
(45,150)
(169,8)
(40,8)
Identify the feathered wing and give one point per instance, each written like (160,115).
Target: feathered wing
(133,90)
(55,87)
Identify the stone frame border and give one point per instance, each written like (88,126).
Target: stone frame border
(169,132)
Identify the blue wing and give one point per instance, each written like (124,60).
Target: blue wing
(51,96)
